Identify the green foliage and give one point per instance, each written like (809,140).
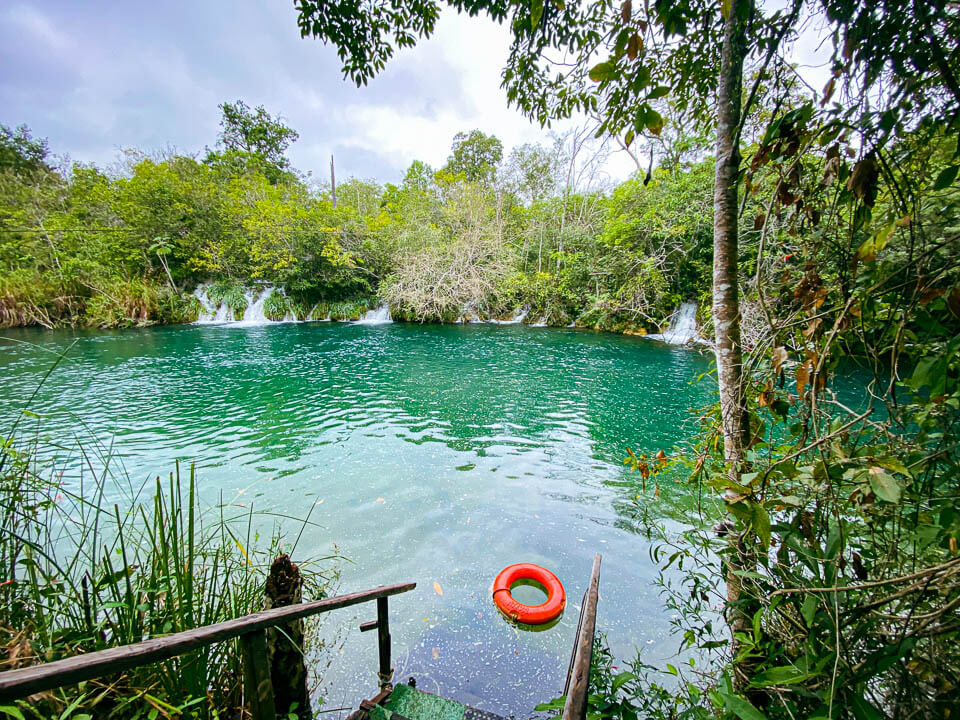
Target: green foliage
(276,306)
(252,138)
(232,295)
(475,156)
(637,693)
(21,152)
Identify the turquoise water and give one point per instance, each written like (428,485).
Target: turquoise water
(434,454)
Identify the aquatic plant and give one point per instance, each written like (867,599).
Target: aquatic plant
(230,294)
(276,306)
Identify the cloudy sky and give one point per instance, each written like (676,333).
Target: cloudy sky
(98,76)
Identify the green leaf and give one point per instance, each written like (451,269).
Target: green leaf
(604,71)
(620,680)
(809,609)
(742,708)
(893,464)
(536,12)
(784,675)
(863,710)
(654,121)
(946,177)
(761,523)
(884,486)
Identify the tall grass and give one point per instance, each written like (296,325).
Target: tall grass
(342,310)
(101,562)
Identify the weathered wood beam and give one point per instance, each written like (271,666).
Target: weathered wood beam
(16,684)
(256,676)
(578,683)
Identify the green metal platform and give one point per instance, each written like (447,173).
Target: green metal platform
(407,703)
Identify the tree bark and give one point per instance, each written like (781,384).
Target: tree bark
(726,301)
(288,670)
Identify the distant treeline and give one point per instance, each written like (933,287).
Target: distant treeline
(539,229)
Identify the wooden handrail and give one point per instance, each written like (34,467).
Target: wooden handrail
(16,684)
(578,678)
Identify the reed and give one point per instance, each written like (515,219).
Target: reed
(101,562)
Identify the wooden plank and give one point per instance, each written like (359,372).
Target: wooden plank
(256,676)
(16,684)
(578,684)
(383,641)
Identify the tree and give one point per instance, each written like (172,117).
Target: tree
(476,156)
(531,172)
(253,137)
(20,152)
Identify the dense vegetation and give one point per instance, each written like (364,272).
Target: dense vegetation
(483,235)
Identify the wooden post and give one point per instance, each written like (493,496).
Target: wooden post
(288,669)
(578,681)
(383,640)
(333,183)
(256,675)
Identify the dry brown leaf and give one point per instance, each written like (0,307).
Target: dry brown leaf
(779,357)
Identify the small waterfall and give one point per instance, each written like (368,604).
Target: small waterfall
(469,314)
(683,326)
(380,316)
(313,311)
(254,312)
(518,316)
(207,311)
(253,315)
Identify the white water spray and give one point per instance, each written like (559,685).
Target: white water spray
(380,316)
(683,326)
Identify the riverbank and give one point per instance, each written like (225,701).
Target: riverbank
(223,303)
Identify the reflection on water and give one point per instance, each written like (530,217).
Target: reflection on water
(440,454)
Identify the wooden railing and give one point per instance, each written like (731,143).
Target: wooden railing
(250,629)
(578,674)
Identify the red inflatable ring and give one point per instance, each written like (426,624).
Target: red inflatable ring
(529,614)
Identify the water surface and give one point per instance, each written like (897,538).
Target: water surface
(438,454)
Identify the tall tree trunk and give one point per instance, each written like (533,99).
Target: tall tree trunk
(726,302)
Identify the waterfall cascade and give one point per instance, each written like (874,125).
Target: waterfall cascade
(253,315)
(380,316)
(683,326)
(518,317)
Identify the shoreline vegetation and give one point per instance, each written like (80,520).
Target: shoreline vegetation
(541,229)
(99,561)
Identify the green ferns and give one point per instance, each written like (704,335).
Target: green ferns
(230,294)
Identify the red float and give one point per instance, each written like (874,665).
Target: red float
(529,614)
